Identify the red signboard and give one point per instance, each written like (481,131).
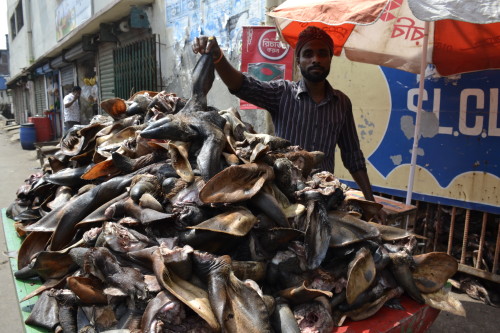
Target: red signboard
(264,57)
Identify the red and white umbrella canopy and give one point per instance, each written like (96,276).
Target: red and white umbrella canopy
(455,36)
(388,32)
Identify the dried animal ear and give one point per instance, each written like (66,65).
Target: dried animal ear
(347,229)
(72,143)
(98,216)
(305,160)
(115,107)
(236,183)
(179,260)
(45,313)
(186,292)
(236,305)
(32,244)
(52,265)
(102,169)
(389,233)
(259,151)
(444,301)
(433,270)
(231,159)
(178,151)
(180,160)
(371,308)
(56,164)
(236,222)
(107,144)
(88,290)
(303,294)
(271,240)
(253,270)
(361,273)
(83,158)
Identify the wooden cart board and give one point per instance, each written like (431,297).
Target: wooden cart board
(397,212)
(23,288)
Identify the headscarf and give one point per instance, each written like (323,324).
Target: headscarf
(312,33)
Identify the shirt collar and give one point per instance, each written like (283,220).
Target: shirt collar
(330,92)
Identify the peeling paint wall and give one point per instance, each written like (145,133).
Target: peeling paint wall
(224,19)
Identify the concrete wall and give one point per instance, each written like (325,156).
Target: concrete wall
(99,5)
(42,25)
(19,45)
(223,19)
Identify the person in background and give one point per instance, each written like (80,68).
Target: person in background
(72,108)
(309,113)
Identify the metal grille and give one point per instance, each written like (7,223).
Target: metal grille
(40,98)
(135,67)
(472,237)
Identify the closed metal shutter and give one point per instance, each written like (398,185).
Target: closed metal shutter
(40,96)
(106,71)
(19,106)
(67,75)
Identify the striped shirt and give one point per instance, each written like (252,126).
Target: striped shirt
(305,123)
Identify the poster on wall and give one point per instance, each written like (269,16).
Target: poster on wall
(458,159)
(70,14)
(224,19)
(264,57)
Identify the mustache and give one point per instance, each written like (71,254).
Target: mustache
(315,67)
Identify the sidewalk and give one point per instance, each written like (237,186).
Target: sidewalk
(16,165)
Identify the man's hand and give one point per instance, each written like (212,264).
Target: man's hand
(231,77)
(205,44)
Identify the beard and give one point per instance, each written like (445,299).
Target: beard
(314,77)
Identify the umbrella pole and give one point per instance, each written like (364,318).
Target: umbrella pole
(416,134)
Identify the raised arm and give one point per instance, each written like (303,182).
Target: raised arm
(231,77)
(67,105)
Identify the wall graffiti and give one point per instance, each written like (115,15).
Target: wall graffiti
(221,18)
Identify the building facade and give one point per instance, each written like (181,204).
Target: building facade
(5,100)
(114,48)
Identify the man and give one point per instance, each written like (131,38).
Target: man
(309,113)
(72,108)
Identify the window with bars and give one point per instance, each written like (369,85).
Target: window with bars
(135,67)
(17,20)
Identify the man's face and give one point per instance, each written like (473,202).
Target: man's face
(77,93)
(314,61)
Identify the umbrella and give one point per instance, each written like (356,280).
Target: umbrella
(454,36)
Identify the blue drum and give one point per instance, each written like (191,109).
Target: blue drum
(27,135)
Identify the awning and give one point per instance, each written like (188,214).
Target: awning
(113,11)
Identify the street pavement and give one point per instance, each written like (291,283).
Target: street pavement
(17,164)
